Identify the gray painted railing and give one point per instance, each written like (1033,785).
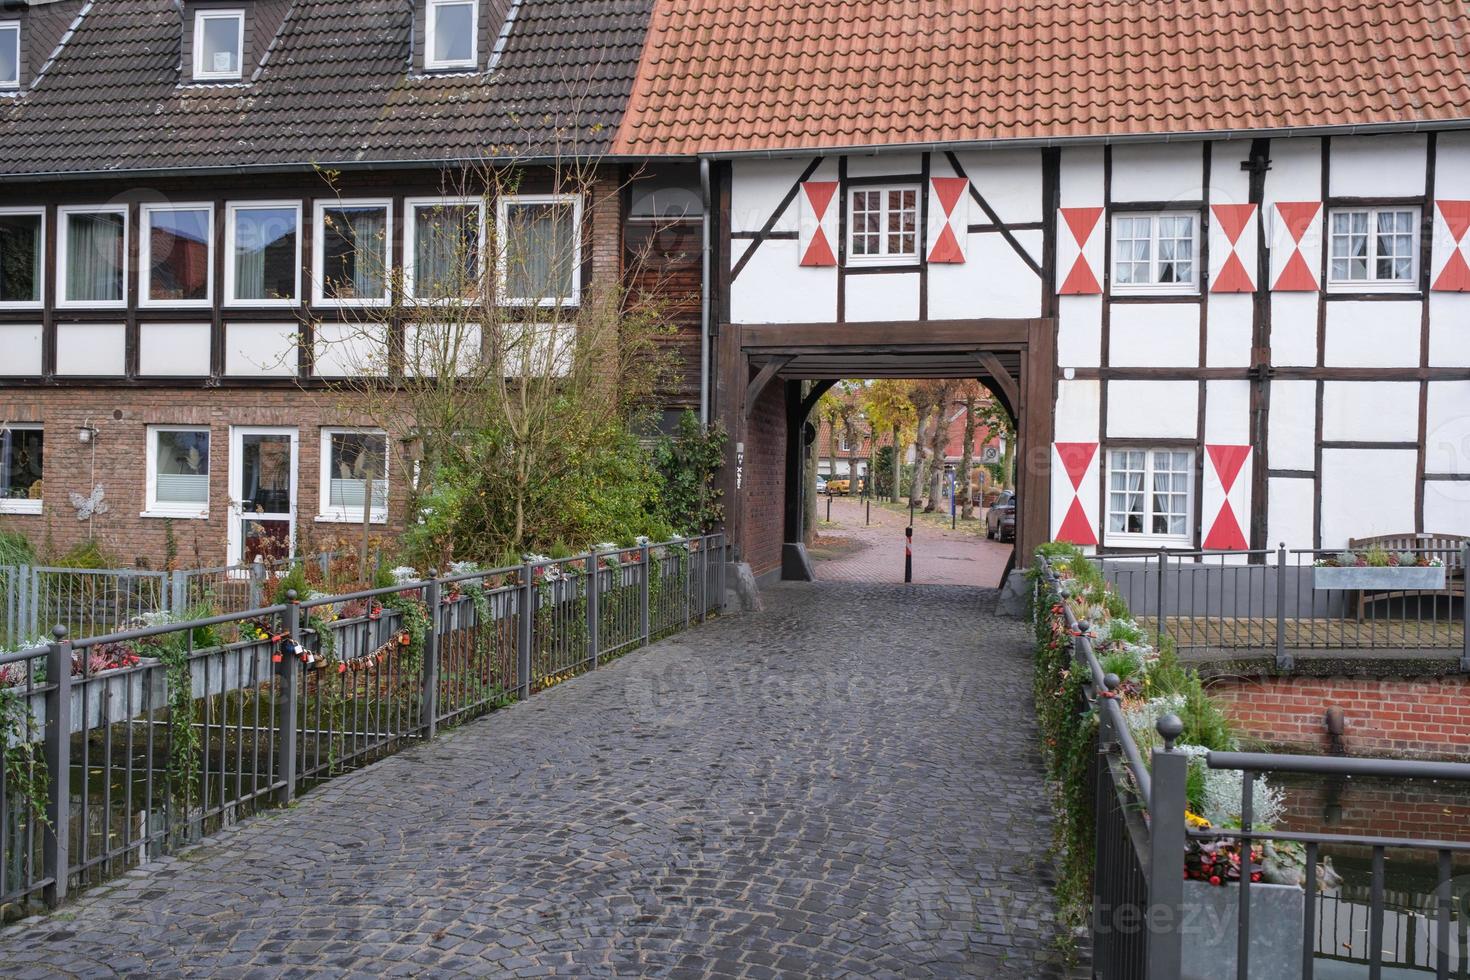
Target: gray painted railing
(1142,927)
(125,782)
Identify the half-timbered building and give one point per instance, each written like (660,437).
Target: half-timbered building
(1214,259)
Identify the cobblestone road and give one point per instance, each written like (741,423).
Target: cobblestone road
(844,784)
(941,556)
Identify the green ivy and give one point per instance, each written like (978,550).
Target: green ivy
(26,776)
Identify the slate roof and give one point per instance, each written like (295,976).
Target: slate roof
(336,89)
(754,75)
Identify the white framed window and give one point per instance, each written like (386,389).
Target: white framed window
(350,252)
(22,250)
(1156,253)
(21,451)
(176,255)
(351,459)
(540,249)
(92,257)
(178,471)
(443,249)
(451,34)
(263,253)
(9,54)
(219,45)
(1150,496)
(883,225)
(1374,248)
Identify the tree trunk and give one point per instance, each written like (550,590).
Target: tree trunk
(936,452)
(916,485)
(897,464)
(967,462)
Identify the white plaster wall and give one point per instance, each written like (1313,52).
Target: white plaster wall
(992,282)
(1377,166)
(1294,329)
(1366,492)
(436,343)
(1452,165)
(774,288)
(1296,171)
(1079,331)
(1228,183)
(883,164)
(1447,506)
(1154,335)
(1228,412)
(1010,181)
(1373,334)
(1228,330)
(1370,411)
(892,296)
(757,187)
(1447,428)
(91,349)
(1291,439)
(174,349)
(1449,329)
(1153,409)
(265,350)
(350,350)
(1158,172)
(1082,177)
(1078,406)
(1292,511)
(21,344)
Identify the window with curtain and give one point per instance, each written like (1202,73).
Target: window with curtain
(219,40)
(1375,246)
(10,55)
(95,256)
(451,34)
(353,250)
(179,470)
(20,258)
(1150,494)
(540,250)
(20,469)
(884,223)
(264,256)
(446,251)
(178,253)
(1155,252)
(350,459)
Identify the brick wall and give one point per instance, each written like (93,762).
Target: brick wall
(764,493)
(1422,718)
(1373,807)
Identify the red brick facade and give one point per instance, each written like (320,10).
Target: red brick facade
(765,481)
(1423,718)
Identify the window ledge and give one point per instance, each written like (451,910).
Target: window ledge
(177,515)
(1154,541)
(1409,288)
(349,519)
(20,506)
(1181,291)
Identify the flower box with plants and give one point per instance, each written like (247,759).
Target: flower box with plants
(108,685)
(1379,570)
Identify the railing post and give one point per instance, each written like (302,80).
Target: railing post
(56,857)
(1166,841)
(688,583)
(1284,660)
(1159,612)
(256,585)
(429,700)
(643,594)
(525,620)
(594,587)
(1465,613)
(178,591)
(286,706)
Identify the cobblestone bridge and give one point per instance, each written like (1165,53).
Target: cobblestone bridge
(845,783)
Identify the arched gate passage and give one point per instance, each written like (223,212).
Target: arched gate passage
(758,397)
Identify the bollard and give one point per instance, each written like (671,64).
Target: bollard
(908,554)
(868,515)
(829,507)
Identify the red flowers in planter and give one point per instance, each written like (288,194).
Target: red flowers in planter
(1218,862)
(104,656)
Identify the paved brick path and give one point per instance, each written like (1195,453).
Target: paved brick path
(941,556)
(845,783)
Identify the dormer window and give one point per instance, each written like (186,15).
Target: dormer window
(451,34)
(9,54)
(219,45)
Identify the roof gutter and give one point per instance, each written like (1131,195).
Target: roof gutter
(1045,142)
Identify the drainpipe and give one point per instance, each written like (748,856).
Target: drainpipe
(704,296)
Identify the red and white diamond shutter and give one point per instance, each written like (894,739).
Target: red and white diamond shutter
(949,225)
(1226,497)
(1233,248)
(1080,251)
(817,229)
(1074,492)
(1296,245)
(1450,272)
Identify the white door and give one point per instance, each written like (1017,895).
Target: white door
(262,494)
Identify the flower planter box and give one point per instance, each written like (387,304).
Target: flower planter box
(1379,578)
(238,666)
(113,695)
(1212,923)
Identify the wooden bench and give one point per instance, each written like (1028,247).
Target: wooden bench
(1452,553)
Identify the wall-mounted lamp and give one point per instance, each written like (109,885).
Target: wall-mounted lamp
(86,432)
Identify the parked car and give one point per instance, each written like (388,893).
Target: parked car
(841,485)
(821,483)
(1000,519)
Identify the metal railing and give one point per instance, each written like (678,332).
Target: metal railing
(126,746)
(1218,603)
(1143,927)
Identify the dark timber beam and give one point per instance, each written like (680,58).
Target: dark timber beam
(1010,392)
(768,371)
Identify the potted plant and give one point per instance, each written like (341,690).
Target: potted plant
(1379,570)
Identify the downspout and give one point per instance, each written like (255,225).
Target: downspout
(704,295)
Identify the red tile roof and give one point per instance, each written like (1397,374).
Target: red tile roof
(739,75)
